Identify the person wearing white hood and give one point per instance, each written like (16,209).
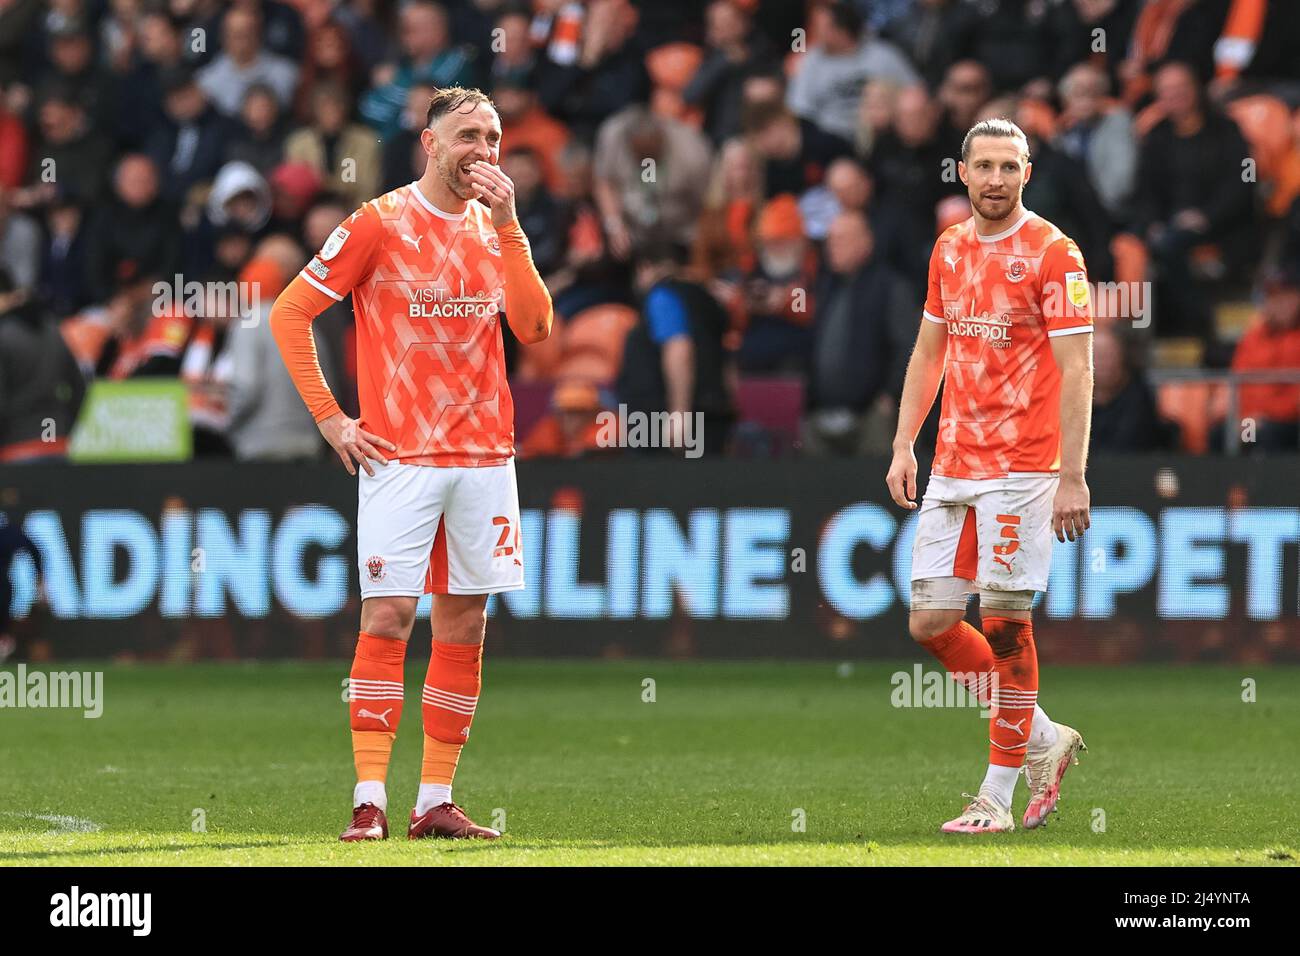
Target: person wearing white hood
(240,197)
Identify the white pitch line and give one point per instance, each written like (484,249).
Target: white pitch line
(64,823)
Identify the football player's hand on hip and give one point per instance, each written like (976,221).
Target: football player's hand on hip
(351,443)
(902,478)
(1070,517)
(495,188)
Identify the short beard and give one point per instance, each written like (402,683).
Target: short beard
(1011,207)
(448,174)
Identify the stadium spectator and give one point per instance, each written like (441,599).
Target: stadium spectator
(72,68)
(795,152)
(772,302)
(735,49)
(1019,40)
(403,157)
(136,234)
(1124,417)
(966,87)
(876,111)
(19,22)
(515,59)
(69,149)
(294,187)
(904,164)
(525,125)
(1272,343)
(1099,135)
(1061,192)
(723,241)
(863,329)
(266,420)
(673,359)
(138,87)
(188,145)
(41,387)
(1190,193)
(62,285)
(589,274)
(570,428)
(244,63)
(20,245)
(827,85)
(1170,32)
(259,131)
(540,214)
(428,57)
(345,155)
(330,62)
(594,66)
(928,32)
(651,173)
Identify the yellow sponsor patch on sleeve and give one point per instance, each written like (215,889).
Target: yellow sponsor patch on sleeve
(1076,289)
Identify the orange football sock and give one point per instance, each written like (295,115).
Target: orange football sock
(1015,661)
(964,652)
(375,703)
(451,689)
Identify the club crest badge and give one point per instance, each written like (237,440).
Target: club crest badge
(375,567)
(334,243)
(1017,270)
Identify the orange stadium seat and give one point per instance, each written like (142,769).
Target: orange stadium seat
(593,342)
(1196,407)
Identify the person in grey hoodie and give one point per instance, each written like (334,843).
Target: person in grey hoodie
(268,421)
(828,86)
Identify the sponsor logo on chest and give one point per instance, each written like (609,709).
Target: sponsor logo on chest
(440,303)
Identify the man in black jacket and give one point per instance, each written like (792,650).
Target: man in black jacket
(863,328)
(673,360)
(1191,192)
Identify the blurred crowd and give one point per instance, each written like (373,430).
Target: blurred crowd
(733,202)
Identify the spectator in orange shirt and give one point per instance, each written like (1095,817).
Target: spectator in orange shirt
(1272,343)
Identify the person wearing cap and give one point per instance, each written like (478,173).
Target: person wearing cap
(569,429)
(773,303)
(1272,343)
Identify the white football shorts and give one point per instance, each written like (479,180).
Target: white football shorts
(423,529)
(996,532)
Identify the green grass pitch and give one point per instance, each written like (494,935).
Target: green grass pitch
(714,771)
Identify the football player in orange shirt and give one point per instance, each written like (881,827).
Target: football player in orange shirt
(1006,328)
(432,267)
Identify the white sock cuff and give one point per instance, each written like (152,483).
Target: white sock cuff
(370,791)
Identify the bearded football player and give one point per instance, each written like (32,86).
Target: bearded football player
(1006,329)
(433,267)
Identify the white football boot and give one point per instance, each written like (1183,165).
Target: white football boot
(982,815)
(1044,771)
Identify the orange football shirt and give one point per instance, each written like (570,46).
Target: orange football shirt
(428,290)
(1002,298)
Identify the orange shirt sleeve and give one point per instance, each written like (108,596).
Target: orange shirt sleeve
(528,303)
(291,317)
(346,257)
(933,296)
(1066,296)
